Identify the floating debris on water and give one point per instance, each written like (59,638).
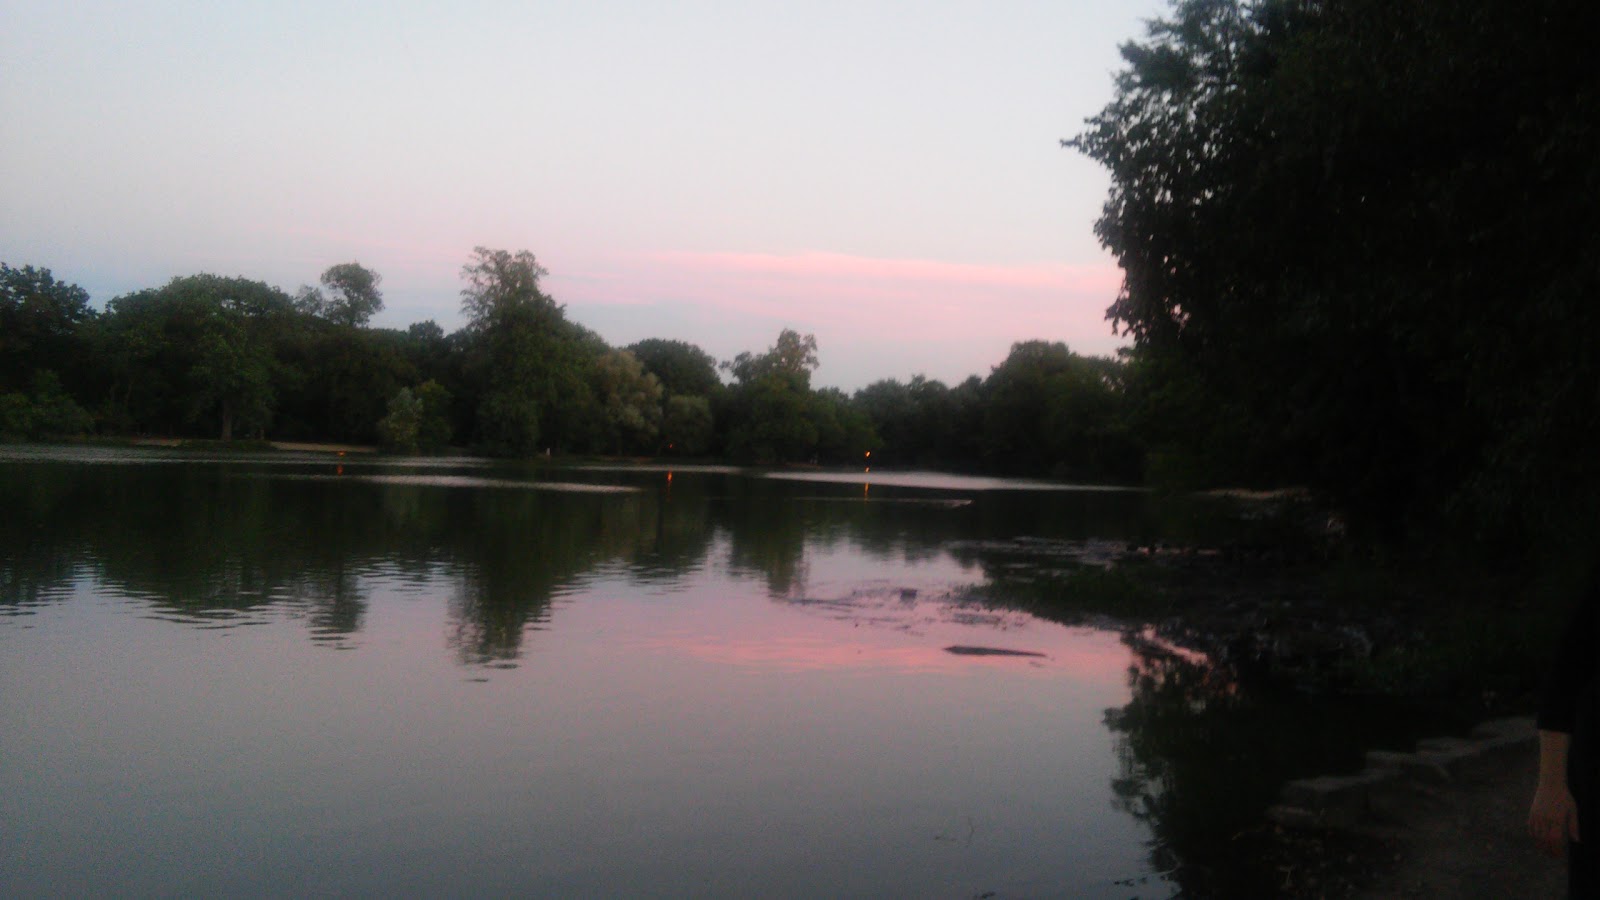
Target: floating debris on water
(961,650)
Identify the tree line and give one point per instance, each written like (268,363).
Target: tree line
(1359,243)
(230,358)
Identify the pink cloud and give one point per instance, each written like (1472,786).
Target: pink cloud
(917,298)
(873,317)
(894,275)
(928,295)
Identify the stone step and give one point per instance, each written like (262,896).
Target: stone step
(1345,801)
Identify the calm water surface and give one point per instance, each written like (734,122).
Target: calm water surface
(291,674)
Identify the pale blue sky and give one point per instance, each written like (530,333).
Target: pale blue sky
(884,175)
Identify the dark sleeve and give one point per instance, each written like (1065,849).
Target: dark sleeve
(1572,670)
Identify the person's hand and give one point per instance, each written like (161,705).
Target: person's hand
(1553,821)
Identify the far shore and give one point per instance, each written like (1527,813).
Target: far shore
(296,446)
(322,448)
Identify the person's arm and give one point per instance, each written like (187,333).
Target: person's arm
(1553,821)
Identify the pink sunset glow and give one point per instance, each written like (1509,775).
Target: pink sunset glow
(887,318)
(879,629)
(1085,657)
(904,195)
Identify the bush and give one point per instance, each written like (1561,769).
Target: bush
(49,412)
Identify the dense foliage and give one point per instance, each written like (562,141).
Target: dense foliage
(205,356)
(1364,233)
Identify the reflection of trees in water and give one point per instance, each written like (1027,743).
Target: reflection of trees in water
(137,524)
(772,524)
(766,531)
(488,628)
(39,547)
(335,602)
(30,578)
(680,531)
(221,542)
(1202,758)
(1175,775)
(215,544)
(772,537)
(907,526)
(516,550)
(520,546)
(776,552)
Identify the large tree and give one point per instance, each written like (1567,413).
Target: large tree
(230,379)
(335,380)
(925,422)
(682,368)
(40,320)
(771,416)
(1370,224)
(529,366)
(1049,410)
(202,349)
(349,295)
(686,426)
(417,420)
(793,357)
(629,399)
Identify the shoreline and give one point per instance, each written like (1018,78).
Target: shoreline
(1232,633)
(290,446)
(1463,838)
(1240,629)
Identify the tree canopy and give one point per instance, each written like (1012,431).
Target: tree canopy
(1371,226)
(218,357)
(681,367)
(630,401)
(200,349)
(792,357)
(39,319)
(349,295)
(522,351)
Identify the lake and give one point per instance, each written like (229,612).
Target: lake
(291,674)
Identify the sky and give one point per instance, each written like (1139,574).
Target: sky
(886,176)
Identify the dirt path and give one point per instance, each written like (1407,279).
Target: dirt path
(324,448)
(1464,840)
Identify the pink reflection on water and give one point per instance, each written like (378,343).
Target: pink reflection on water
(1089,660)
(879,633)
